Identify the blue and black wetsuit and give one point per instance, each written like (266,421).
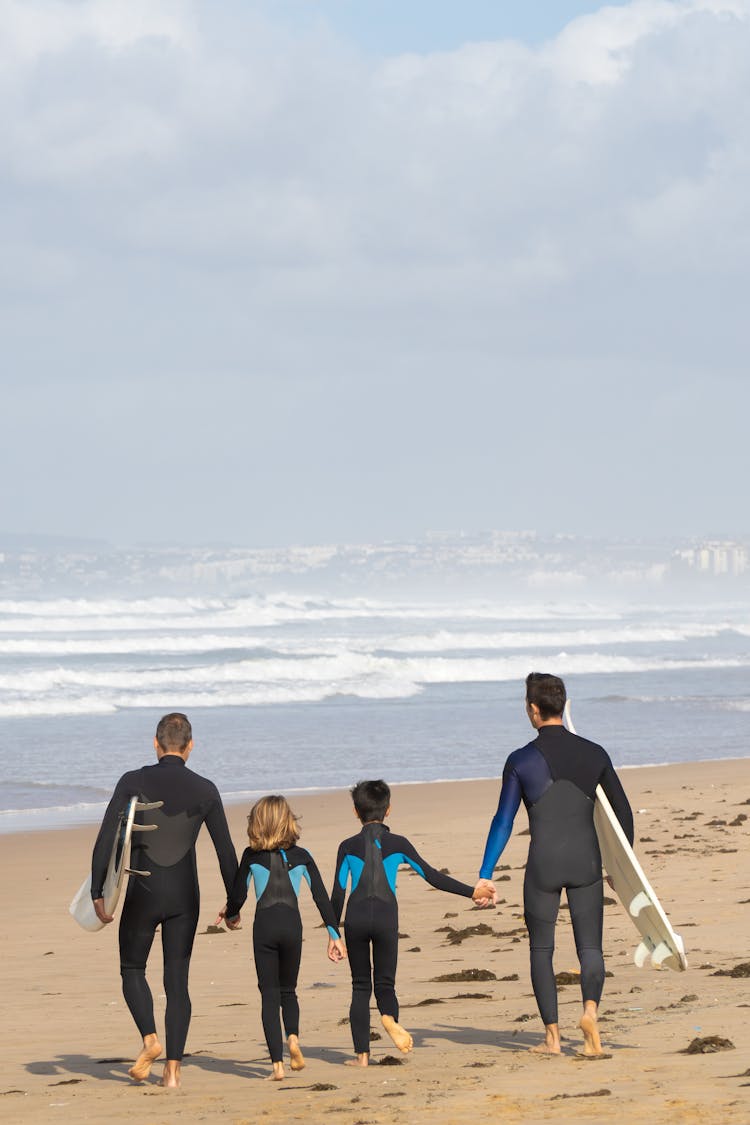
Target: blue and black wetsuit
(556,776)
(277,931)
(169,896)
(371,860)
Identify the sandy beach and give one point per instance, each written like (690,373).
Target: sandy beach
(69,1038)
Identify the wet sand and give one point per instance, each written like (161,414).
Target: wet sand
(69,1039)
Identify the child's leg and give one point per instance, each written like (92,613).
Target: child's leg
(358,950)
(385,959)
(290,953)
(266,951)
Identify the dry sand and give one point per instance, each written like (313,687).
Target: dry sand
(69,1039)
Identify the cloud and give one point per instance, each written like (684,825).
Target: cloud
(191,194)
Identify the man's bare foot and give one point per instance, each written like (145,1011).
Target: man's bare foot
(551,1044)
(592,1044)
(296,1058)
(400,1036)
(277,1074)
(141,1068)
(170,1079)
(359,1060)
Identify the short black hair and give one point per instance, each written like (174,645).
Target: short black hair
(174,731)
(372,800)
(548,692)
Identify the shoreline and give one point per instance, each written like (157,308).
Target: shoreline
(67,817)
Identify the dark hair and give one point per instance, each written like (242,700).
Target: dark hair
(174,731)
(548,692)
(371,800)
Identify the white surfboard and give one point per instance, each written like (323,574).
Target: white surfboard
(659,942)
(118,869)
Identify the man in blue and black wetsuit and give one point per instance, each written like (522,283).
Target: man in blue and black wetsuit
(169,896)
(556,777)
(371,860)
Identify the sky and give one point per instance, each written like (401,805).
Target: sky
(295,271)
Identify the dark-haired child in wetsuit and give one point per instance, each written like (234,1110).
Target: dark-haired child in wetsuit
(277,866)
(371,860)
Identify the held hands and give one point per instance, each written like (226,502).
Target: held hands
(101,913)
(336,949)
(485,893)
(230,923)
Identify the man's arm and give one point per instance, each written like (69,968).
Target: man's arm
(216,822)
(612,787)
(502,823)
(126,788)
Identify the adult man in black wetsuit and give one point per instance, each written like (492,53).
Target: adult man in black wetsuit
(556,776)
(169,896)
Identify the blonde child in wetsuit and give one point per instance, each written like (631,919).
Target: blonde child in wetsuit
(276,865)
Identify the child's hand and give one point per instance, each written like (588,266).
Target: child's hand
(230,923)
(336,949)
(485,893)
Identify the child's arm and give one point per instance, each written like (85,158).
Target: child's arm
(238,894)
(409,855)
(320,898)
(338,893)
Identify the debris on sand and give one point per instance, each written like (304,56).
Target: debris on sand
(455,937)
(464,975)
(603,1093)
(390,1060)
(707,1045)
(742,969)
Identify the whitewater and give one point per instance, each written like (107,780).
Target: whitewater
(289,692)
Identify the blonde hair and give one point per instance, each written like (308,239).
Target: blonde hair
(272,825)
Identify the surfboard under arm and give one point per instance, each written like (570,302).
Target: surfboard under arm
(118,869)
(659,941)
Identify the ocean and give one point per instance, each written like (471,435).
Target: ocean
(292,693)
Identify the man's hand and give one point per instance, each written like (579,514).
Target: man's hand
(101,913)
(230,923)
(485,893)
(336,949)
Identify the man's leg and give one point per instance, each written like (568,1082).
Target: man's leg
(177,936)
(136,938)
(540,913)
(587,916)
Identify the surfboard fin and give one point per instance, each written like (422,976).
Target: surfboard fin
(144,827)
(639,903)
(144,806)
(641,954)
(132,871)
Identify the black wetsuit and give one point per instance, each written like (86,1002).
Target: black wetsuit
(556,776)
(277,930)
(169,896)
(371,860)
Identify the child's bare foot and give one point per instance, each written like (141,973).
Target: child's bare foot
(589,1025)
(400,1036)
(170,1079)
(359,1060)
(296,1058)
(277,1074)
(141,1068)
(551,1044)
